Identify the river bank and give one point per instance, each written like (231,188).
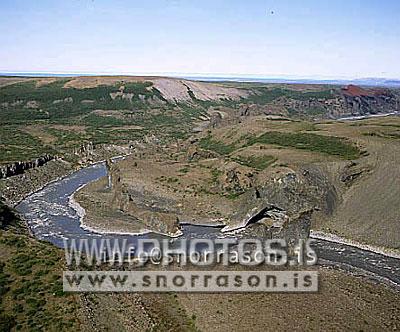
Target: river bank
(17,187)
(81,212)
(369,116)
(341,240)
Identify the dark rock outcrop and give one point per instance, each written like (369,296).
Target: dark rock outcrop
(15,188)
(85,150)
(352,172)
(194,154)
(8,216)
(235,179)
(274,224)
(360,101)
(153,211)
(20,167)
(282,207)
(215,120)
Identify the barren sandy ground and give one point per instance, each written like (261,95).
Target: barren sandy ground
(171,88)
(11,80)
(369,212)
(344,302)
(39,81)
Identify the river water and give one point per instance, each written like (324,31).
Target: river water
(51,218)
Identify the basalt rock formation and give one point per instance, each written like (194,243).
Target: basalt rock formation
(273,223)
(155,212)
(9,217)
(283,207)
(20,167)
(360,101)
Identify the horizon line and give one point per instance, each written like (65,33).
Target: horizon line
(193,75)
(243,78)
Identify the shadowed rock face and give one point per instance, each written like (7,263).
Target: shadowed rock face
(290,194)
(281,226)
(156,212)
(282,208)
(7,215)
(20,167)
(361,101)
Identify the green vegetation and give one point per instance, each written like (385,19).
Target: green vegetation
(215,174)
(191,94)
(16,144)
(103,121)
(315,111)
(66,138)
(311,111)
(172,180)
(267,95)
(330,145)
(208,143)
(258,163)
(31,296)
(106,111)
(184,170)
(54,102)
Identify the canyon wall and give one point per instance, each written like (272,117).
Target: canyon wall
(20,167)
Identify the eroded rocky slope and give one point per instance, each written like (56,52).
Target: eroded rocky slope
(272,177)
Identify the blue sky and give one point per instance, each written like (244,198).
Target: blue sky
(301,38)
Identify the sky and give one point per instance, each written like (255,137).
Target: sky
(261,38)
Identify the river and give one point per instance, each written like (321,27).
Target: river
(51,217)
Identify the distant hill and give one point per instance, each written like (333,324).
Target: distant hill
(384,82)
(54,115)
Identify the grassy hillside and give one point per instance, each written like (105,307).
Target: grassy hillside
(312,142)
(31,296)
(54,115)
(44,119)
(329,145)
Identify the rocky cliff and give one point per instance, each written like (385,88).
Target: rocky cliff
(7,215)
(20,167)
(360,101)
(333,102)
(283,207)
